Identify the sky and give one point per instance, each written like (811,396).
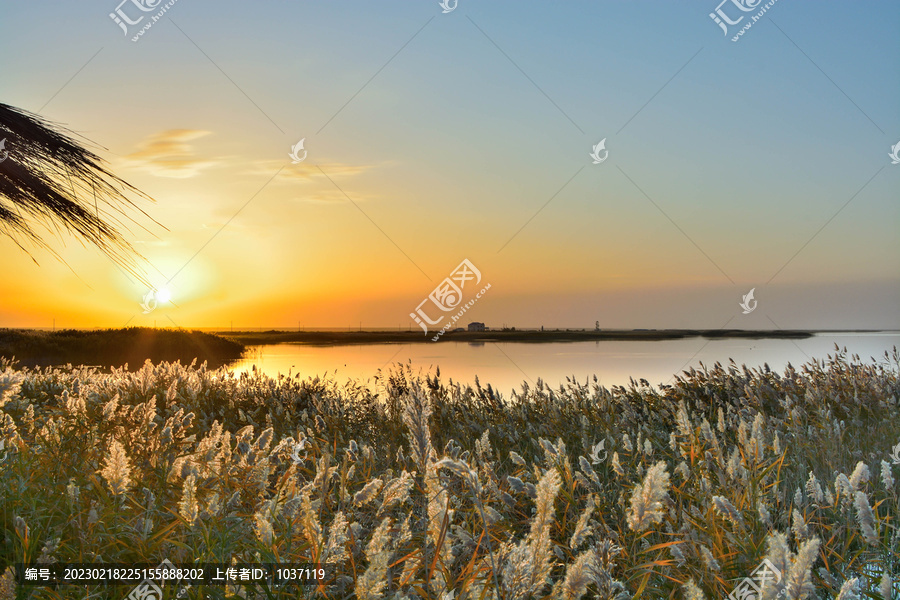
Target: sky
(434,137)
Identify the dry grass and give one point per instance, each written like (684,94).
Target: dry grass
(418,489)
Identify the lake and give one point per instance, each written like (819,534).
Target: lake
(506,365)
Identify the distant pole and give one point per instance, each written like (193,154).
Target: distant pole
(232,327)
(54,324)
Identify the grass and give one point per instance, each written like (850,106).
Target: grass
(419,489)
(116,347)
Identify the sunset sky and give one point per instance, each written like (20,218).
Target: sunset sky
(434,138)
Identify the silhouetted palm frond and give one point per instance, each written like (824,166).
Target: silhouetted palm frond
(49,177)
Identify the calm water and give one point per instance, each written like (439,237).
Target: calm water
(506,365)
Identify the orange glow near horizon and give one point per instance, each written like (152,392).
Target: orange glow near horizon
(441,156)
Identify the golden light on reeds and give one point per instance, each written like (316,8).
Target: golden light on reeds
(424,485)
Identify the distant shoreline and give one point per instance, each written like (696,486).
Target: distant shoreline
(344,338)
(134,345)
(116,347)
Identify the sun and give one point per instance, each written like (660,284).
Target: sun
(163,295)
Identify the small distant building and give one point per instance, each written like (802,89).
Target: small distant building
(476,326)
(458,329)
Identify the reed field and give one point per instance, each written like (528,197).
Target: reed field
(412,487)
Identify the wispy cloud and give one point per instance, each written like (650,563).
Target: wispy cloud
(314,188)
(328,197)
(170,154)
(305,172)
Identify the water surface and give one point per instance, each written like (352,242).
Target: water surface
(506,365)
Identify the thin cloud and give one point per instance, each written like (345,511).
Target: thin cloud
(304,172)
(326,197)
(170,154)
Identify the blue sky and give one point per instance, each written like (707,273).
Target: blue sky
(725,160)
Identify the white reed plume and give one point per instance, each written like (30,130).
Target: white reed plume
(416,413)
(779,557)
(843,488)
(685,427)
(372,583)
(692,592)
(582,528)
(336,548)
(117,469)
(887,476)
(309,523)
(74,405)
(798,526)
(539,536)
(886,586)
(616,466)
(187,507)
(396,492)
(588,470)
(814,489)
(647,499)
(860,475)
(764,514)
(483,447)
(798,583)
(368,493)
(850,590)
(709,560)
(725,508)
(262,527)
(72,493)
(528,564)
(758,435)
(579,575)
(677,554)
(438,510)
(8,583)
(865,518)
(10,384)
